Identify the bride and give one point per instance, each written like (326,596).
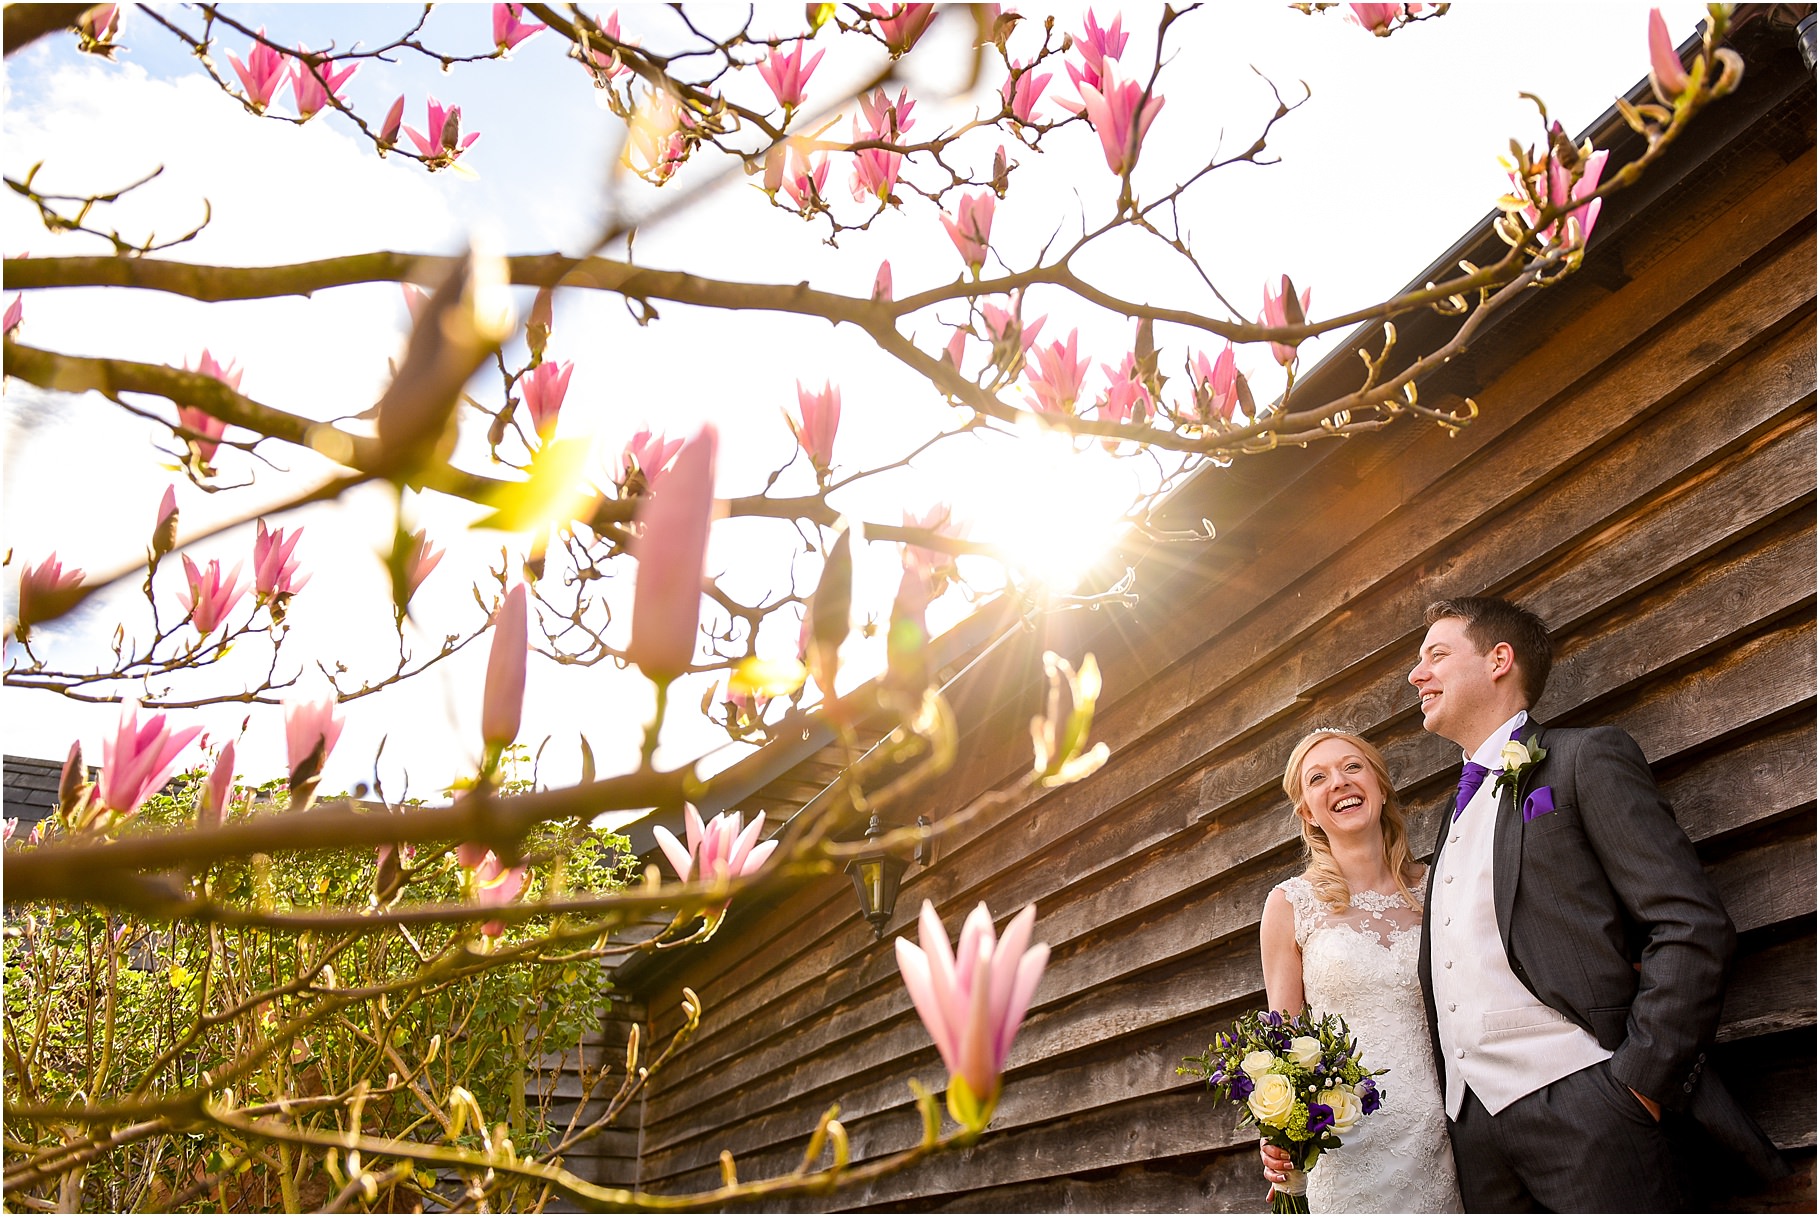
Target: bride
(1342,938)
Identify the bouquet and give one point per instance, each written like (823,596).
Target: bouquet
(1299,1080)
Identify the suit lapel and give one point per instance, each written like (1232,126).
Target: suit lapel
(1507,843)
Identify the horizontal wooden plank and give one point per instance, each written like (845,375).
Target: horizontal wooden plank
(1760,778)
(1221,1183)
(1771,990)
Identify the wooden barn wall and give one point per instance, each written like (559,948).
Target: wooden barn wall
(1642,476)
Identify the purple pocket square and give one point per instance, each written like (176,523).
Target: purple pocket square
(1541,802)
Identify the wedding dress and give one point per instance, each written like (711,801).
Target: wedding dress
(1361,965)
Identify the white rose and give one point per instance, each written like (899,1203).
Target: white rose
(1273,1100)
(1257,1064)
(1346,1108)
(1304,1051)
(1514,756)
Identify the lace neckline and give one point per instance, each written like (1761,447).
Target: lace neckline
(1377,902)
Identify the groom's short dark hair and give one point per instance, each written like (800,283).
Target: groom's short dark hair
(1489,620)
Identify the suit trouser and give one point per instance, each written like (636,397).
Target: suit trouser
(1580,1144)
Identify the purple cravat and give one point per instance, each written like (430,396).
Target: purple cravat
(1471,778)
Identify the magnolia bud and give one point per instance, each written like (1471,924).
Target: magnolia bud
(537,325)
(164,532)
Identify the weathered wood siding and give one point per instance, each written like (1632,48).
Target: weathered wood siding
(1642,476)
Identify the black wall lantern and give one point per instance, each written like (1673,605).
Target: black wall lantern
(875,873)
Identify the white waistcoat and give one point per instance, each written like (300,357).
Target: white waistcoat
(1495,1036)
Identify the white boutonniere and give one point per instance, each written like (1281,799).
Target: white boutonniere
(1518,758)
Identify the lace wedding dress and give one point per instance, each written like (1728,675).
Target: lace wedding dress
(1361,965)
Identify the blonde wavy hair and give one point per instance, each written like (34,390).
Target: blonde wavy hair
(1323,873)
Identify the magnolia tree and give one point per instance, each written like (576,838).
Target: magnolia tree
(211,999)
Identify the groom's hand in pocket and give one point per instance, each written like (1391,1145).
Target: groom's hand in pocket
(1650,1105)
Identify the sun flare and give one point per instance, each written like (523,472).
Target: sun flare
(1053,507)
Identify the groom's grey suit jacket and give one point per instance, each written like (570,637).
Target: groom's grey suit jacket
(1607,916)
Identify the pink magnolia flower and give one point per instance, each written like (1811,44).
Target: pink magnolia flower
(1216,385)
(212,799)
(46,592)
(7,828)
(137,760)
(1056,378)
(649,454)
(97,27)
(210,597)
(1558,185)
(820,420)
(788,75)
(971,228)
(805,179)
(1096,46)
(956,350)
(1023,90)
(900,25)
(1564,188)
(509,28)
(671,550)
(933,565)
(1380,19)
(719,849)
(208,432)
(603,66)
(659,142)
(889,119)
(502,705)
(264,70)
(388,130)
(1121,116)
(15,315)
(164,527)
(313,94)
(973,1000)
(207,428)
(495,883)
(544,390)
(1127,398)
(208,365)
(445,142)
(874,169)
(274,567)
(1667,76)
(1283,308)
(1011,337)
(881,283)
(310,731)
(414,299)
(419,562)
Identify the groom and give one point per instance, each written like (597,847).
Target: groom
(1573,950)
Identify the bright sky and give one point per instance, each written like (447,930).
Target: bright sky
(1391,160)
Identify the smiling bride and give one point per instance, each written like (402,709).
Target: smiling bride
(1342,938)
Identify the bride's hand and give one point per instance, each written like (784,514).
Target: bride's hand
(1276,1162)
